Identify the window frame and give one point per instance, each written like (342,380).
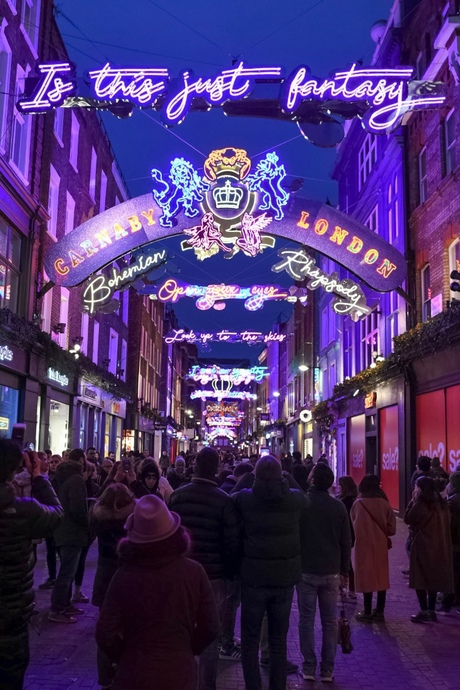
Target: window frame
(425,292)
(23,121)
(449,146)
(367,159)
(422,179)
(369,338)
(5,49)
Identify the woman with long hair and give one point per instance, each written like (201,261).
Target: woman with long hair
(159,611)
(348,492)
(430,569)
(107,520)
(374,523)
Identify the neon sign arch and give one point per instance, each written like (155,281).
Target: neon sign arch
(228,210)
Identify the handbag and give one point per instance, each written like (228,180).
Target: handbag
(389,542)
(344,630)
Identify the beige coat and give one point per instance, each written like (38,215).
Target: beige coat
(370,555)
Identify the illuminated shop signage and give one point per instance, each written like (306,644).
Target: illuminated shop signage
(305,416)
(215,296)
(228,209)
(237,395)
(181,336)
(350,299)
(221,431)
(236,376)
(386,95)
(217,420)
(6,355)
(57,377)
(100,290)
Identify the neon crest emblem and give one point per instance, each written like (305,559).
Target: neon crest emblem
(231,201)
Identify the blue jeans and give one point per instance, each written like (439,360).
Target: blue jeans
(61,595)
(255,601)
(209,659)
(325,589)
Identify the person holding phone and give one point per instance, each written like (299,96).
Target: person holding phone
(21,521)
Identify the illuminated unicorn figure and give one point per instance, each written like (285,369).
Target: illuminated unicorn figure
(250,240)
(204,236)
(184,191)
(267,179)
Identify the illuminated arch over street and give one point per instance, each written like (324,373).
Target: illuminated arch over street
(227,210)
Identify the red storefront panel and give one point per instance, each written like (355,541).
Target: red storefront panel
(431,425)
(356,447)
(453,428)
(389,453)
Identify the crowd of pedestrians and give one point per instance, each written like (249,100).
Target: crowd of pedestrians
(182,547)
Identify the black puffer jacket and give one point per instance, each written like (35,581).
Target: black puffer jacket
(109,527)
(212,521)
(271,537)
(21,521)
(71,491)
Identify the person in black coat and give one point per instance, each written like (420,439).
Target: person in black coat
(212,520)
(270,567)
(107,521)
(176,475)
(72,534)
(21,521)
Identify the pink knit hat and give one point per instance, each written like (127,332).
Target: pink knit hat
(151,521)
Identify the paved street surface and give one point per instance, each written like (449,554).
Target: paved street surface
(395,655)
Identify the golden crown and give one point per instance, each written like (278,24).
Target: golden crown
(229,161)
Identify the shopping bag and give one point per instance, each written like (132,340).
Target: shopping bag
(344,630)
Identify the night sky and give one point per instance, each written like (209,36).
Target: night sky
(205,36)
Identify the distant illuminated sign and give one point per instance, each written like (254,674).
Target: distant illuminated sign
(57,377)
(215,296)
(386,95)
(221,431)
(305,416)
(235,375)
(222,408)
(220,395)
(101,288)
(181,336)
(350,299)
(6,355)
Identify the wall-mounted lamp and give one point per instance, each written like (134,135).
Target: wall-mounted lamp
(59,328)
(120,373)
(76,347)
(303,367)
(276,394)
(105,362)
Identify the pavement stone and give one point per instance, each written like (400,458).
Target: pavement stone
(395,655)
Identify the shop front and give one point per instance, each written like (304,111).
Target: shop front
(57,411)
(437,426)
(100,419)
(373,438)
(12,389)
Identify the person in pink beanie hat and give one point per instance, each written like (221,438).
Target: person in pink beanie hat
(159,610)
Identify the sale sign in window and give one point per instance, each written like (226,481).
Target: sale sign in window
(389,453)
(431,425)
(356,447)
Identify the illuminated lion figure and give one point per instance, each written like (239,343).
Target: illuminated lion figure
(184,191)
(267,179)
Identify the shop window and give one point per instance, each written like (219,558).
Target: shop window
(103,194)
(59,125)
(449,142)
(30,20)
(47,304)
(324,328)
(123,359)
(74,139)
(10,266)
(125,306)
(21,129)
(69,213)
(9,399)
(367,158)
(5,77)
(426,292)
(95,341)
(370,338)
(53,201)
(92,174)
(59,426)
(422,176)
(454,262)
(63,338)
